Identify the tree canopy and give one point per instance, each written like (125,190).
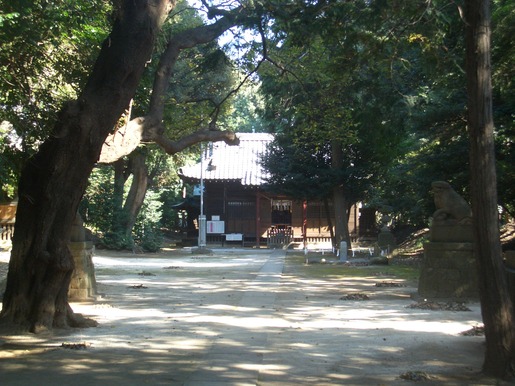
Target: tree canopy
(47,50)
(391,78)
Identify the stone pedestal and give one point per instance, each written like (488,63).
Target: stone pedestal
(83,285)
(449,269)
(451,233)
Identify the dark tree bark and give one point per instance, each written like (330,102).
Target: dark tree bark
(137,191)
(341,225)
(329,220)
(496,306)
(53,181)
(121,173)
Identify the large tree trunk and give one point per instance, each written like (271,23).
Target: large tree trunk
(53,182)
(496,306)
(329,221)
(341,220)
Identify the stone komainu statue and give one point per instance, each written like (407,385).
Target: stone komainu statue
(450,206)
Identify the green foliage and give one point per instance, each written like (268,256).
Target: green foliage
(244,113)
(505,142)
(202,78)
(117,241)
(97,207)
(10,162)
(436,147)
(334,88)
(101,213)
(300,170)
(47,51)
(387,79)
(147,233)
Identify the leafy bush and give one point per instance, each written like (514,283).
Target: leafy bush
(117,241)
(147,231)
(97,207)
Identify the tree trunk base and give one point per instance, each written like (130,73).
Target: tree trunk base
(76,320)
(66,320)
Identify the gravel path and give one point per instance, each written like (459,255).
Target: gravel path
(238,317)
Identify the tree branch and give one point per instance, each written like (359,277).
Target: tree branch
(126,139)
(186,39)
(203,135)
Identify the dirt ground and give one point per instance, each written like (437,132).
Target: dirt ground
(251,317)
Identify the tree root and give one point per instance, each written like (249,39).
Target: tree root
(77,320)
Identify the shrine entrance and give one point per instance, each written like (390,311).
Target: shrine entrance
(280,232)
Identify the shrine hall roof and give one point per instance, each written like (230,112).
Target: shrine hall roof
(232,163)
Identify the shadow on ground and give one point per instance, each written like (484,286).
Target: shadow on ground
(248,317)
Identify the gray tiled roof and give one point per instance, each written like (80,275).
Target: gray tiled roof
(233,163)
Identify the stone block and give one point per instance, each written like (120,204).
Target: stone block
(449,271)
(83,285)
(451,233)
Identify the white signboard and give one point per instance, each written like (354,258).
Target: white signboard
(234,237)
(215,227)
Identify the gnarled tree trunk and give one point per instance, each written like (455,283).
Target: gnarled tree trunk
(53,182)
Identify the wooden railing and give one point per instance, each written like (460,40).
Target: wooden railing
(6,231)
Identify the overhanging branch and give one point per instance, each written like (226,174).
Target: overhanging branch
(204,135)
(141,130)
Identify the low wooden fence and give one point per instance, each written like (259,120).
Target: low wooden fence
(6,232)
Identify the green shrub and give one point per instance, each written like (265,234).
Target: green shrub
(147,232)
